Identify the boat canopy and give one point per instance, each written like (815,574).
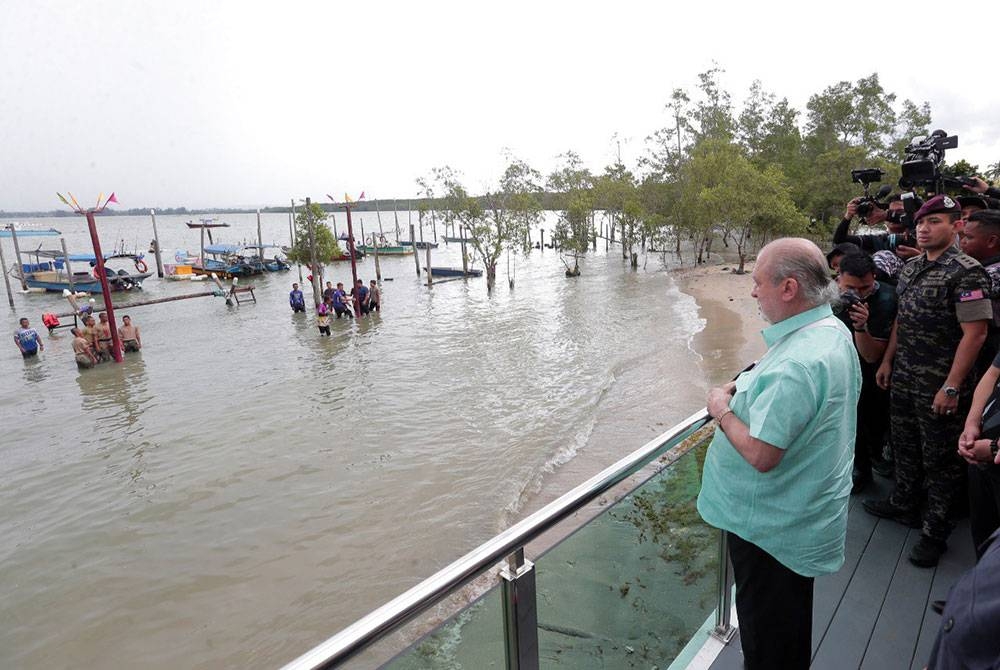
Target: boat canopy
(222,248)
(51,232)
(77,258)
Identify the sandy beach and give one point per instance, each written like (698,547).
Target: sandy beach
(731,337)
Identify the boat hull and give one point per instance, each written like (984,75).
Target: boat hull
(388,251)
(455,272)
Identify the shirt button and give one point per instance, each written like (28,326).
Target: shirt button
(949,624)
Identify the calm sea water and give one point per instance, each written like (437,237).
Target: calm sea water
(244,488)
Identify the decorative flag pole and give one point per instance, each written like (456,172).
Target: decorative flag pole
(116,343)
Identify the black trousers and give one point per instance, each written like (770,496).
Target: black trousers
(873,420)
(984,504)
(775,607)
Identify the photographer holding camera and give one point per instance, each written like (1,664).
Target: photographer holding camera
(868,309)
(897,238)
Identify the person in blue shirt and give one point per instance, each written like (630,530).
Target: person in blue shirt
(296,300)
(339,306)
(27,340)
(360,294)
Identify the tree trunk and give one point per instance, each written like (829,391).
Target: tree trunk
(491,277)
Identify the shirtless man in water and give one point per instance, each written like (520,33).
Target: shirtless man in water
(104,338)
(131,340)
(84,353)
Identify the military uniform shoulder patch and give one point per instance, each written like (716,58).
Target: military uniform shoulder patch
(966,261)
(967,296)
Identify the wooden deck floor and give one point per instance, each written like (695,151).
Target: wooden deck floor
(875,613)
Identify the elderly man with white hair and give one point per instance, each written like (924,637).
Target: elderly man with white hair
(778,472)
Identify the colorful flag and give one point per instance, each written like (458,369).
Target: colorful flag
(99,198)
(332,199)
(75,203)
(362,196)
(111,198)
(65,201)
(347,198)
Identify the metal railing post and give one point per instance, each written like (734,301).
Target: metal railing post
(520,614)
(724,630)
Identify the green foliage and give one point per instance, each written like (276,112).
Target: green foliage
(497,221)
(327,247)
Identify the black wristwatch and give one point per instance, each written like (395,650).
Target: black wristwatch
(950,391)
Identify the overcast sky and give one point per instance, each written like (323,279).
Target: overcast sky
(227,103)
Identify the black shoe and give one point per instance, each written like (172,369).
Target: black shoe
(927,552)
(938,606)
(886,510)
(859,481)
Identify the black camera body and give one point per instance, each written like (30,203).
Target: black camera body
(921,166)
(866,177)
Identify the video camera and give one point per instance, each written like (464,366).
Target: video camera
(866,177)
(922,164)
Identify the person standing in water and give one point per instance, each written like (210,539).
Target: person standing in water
(374,297)
(131,340)
(27,340)
(82,350)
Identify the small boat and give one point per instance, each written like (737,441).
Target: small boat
(228,261)
(418,244)
(455,272)
(390,250)
(51,275)
(275,264)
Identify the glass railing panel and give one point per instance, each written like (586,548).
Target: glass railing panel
(472,639)
(629,588)
(632,586)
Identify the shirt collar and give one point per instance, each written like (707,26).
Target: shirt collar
(776,331)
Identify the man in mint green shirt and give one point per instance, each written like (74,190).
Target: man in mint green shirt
(778,472)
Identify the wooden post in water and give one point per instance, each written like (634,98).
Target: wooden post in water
(420,219)
(434,227)
(607,244)
(361,222)
(66,267)
(542,245)
(317,280)
(116,343)
(395,215)
(593,230)
(202,253)
(156,246)
(291,228)
(17,254)
(6,278)
(465,258)
(260,239)
(378,268)
(416,256)
(430,273)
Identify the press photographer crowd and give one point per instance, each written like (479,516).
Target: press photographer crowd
(922,299)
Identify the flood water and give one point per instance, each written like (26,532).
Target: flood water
(243,488)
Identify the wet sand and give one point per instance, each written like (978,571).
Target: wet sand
(731,337)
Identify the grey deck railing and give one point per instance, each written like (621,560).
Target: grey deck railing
(518,577)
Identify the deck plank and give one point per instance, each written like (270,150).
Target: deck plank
(959,558)
(875,612)
(847,637)
(898,626)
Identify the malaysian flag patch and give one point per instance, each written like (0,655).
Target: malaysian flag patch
(966,296)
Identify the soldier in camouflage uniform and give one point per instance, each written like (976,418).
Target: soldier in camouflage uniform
(944,311)
(981,240)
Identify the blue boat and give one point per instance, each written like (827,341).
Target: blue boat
(231,262)
(51,275)
(275,264)
(418,245)
(455,272)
